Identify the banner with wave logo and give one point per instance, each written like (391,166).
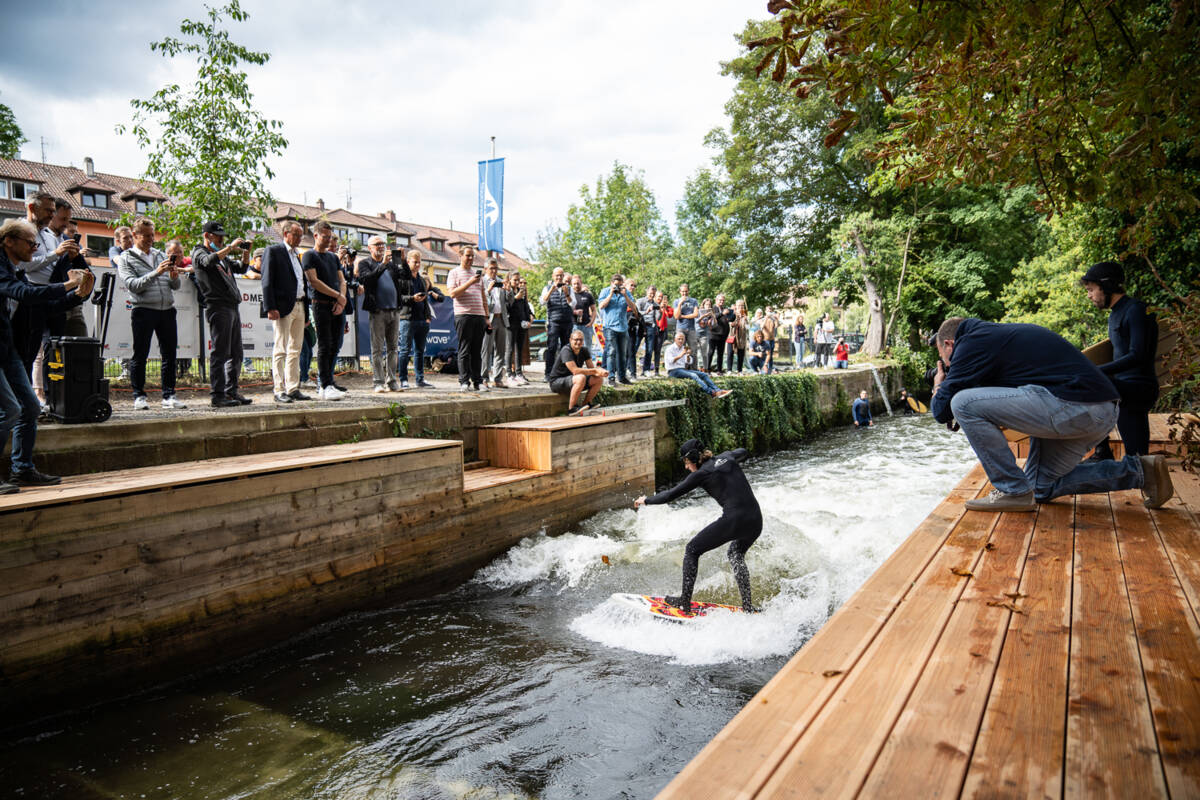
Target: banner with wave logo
(491,204)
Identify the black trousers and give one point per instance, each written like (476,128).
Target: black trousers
(225,358)
(147,323)
(29,324)
(1133,417)
(558,336)
(329,326)
(471,329)
(716,348)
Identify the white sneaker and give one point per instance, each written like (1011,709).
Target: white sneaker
(483,387)
(141,404)
(172,402)
(330,393)
(379,388)
(513,383)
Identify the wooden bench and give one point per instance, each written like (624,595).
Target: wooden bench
(549,444)
(1039,654)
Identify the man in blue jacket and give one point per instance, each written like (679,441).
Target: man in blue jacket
(1023,377)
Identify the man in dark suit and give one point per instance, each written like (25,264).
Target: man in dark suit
(283,304)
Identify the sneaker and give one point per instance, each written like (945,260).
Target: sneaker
(224,401)
(723,393)
(1156,486)
(577,411)
(626,382)
(513,383)
(340,388)
(140,403)
(172,402)
(283,398)
(421,384)
(482,387)
(299,395)
(8,488)
(31,477)
(397,387)
(331,393)
(379,388)
(999,501)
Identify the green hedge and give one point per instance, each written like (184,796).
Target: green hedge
(765,412)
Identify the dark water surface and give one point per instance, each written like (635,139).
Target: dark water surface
(525,682)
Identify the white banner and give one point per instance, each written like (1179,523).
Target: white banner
(258,333)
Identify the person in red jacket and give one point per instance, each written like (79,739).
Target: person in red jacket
(841,355)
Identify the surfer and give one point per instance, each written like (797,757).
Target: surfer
(740,522)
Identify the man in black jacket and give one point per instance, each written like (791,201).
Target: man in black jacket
(1028,379)
(380,278)
(19,406)
(283,303)
(214,266)
(416,293)
(1133,333)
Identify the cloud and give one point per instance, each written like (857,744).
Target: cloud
(401,99)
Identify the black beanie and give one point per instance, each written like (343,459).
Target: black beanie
(691,450)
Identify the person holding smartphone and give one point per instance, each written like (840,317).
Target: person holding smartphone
(215,264)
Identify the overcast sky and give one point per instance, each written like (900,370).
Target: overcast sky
(401,98)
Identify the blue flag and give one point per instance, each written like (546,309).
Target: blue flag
(491,204)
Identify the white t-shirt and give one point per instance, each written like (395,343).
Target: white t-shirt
(677,357)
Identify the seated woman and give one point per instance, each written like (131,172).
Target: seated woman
(761,350)
(841,355)
(678,357)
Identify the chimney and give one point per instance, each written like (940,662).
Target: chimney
(391,215)
(320,204)
(89,167)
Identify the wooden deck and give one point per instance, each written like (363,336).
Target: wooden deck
(1048,654)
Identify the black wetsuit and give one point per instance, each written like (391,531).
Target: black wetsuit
(740,523)
(1134,337)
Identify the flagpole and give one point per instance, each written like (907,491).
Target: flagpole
(493,147)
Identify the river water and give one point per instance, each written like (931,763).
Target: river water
(527,681)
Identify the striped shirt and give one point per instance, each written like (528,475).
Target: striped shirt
(470,301)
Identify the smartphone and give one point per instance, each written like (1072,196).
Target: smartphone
(77,238)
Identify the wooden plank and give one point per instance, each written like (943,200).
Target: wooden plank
(1111,748)
(110,484)
(1178,524)
(747,751)
(567,423)
(834,756)
(1168,642)
(927,752)
(1020,745)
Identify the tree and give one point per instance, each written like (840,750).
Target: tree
(708,252)
(801,211)
(1089,101)
(208,146)
(616,227)
(11,137)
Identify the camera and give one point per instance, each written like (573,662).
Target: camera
(931,373)
(350,251)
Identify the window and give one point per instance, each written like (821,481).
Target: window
(441,276)
(341,233)
(363,236)
(95,200)
(403,241)
(3,190)
(100,244)
(140,206)
(437,245)
(22,190)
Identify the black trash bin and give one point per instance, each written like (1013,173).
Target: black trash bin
(76,388)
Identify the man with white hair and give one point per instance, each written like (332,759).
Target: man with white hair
(19,406)
(51,256)
(381,277)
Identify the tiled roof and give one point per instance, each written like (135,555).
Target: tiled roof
(67,182)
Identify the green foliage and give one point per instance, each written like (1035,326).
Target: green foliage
(1090,101)
(11,137)
(398,419)
(913,364)
(764,412)
(616,227)
(207,145)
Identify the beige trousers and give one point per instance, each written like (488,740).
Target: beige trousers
(285,356)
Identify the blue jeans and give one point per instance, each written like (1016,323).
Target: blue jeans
(706,383)
(614,354)
(840,364)
(19,409)
(799,352)
(1060,433)
(412,336)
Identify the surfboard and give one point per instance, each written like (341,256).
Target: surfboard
(658,607)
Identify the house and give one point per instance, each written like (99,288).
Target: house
(98,199)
